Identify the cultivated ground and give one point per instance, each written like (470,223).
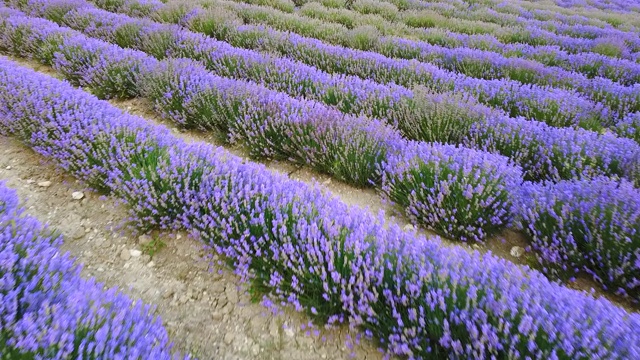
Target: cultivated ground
(201,304)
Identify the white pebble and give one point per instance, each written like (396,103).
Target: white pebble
(517,251)
(135,253)
(77,195)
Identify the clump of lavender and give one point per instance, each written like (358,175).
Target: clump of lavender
(49,311)
(458,192)
(107,71)
(131,7)
(432,117)
(612,47)
(589,225)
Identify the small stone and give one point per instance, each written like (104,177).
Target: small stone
(255,349)
(228,338)
(409,227)
(178,237)
(8,167)
(217,316)
(231,293)
(100,269)
(30,181)
(289,332)
(144,240)
(77,195)
(44,184)
(327,182)
(516,251)
(78,233)
(125,254)
(151,264)
(167,294)
(135,253)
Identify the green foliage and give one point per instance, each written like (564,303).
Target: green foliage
(154,246)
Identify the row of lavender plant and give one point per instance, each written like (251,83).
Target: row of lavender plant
(547,104)
(49,311)
(304,248)
(588,63)
(621,6)
(545,12)
(616,5)
(472,63)
(274,125)
(489,65)
(468,210)
(532,36)
(476,20)
(591,227)
(512,23)
(491,14)
(570,16)
(418,114)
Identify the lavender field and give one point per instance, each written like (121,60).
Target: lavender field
(472,187)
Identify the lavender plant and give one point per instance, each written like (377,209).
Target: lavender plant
(459,193)
(539,103)
(585,226)
(49,311)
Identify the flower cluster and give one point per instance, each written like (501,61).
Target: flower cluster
(305,248)
(49,311)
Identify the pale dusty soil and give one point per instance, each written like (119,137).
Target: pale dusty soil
(201,304)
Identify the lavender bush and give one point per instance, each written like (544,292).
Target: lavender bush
(49,311)
(304,248)
(272,124)
(630,127)
(589,226)
(461,194)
